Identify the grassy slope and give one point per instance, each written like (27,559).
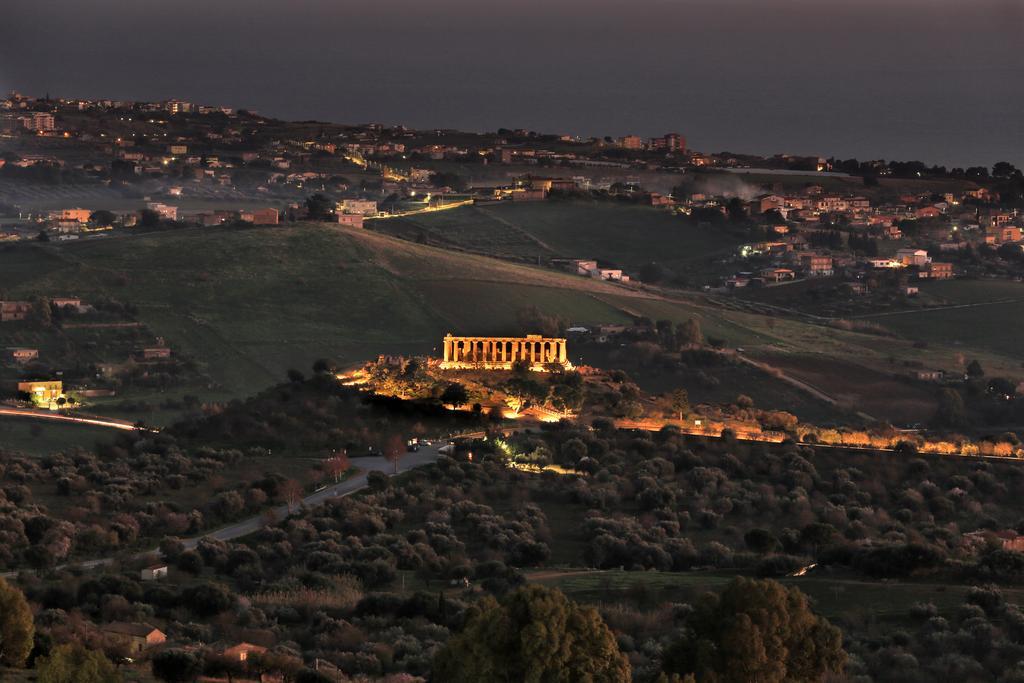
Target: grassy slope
(626,235)
(251,303)
(993,309)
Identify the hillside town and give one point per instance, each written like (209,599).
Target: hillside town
(124,165)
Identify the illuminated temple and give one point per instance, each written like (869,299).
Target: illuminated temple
(499,353)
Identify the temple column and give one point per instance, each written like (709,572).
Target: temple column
(561,352)
(447,350)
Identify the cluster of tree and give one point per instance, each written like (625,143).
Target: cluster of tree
(639,499)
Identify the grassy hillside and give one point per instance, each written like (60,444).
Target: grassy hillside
(249,304)
(626,235)
(972,315)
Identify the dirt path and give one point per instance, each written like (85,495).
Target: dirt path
(519,230)
(949,307)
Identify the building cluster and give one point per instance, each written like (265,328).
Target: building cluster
(591,268)
(815,233)
(28,362)
(670,142)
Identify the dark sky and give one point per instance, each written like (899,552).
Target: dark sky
(937,80)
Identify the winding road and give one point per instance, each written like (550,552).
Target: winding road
(358,482)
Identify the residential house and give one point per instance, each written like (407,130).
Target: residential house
(363,207)
(156,353)
(14,310)
(242,651)
(267,216)
(165,212)
(78,215)
(153,572)
(912,257)
(778,274)
(529,195)
(817,265)
(353,220)
(64,303)
(136,637)
(632,142)
(1003,234)
(22,355)
(42,393)
(937,270)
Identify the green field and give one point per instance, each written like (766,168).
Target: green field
(249,304)
(978,314)
(628,236)
(42,437)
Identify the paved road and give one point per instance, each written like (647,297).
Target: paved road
(61,417)
(251,525)
(356,483)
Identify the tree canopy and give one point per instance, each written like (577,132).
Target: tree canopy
(454,395)
(176,666)
(16,626)
(534,635)
(756,631)
(73,663)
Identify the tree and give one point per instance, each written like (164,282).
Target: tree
(291,492)
(974,370)
(680,402)
(176,666)
(148,218)
(951,411)
(393,449)
(337,465)
(1004,169)
(454,395)
(73,663)
(323,365)
(102,217)
(689,333)
(17,628)
(756,631)
(319,206)
(533,634)
(761,540)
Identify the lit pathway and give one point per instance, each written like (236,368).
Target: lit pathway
(62,417)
